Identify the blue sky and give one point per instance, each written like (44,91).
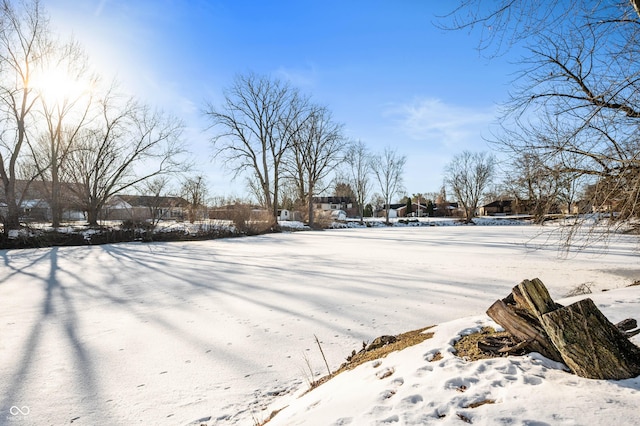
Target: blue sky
(382,67)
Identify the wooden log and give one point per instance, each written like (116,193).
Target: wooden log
(589,344)
(524,328)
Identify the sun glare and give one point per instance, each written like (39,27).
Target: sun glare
(56,86)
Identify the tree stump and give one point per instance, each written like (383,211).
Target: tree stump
(518,314)
(590,345)
(578,335)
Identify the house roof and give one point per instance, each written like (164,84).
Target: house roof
(413,205)
(38,190)
(334,200)
(393,206)
(447,206)
(150,200)
(499,203)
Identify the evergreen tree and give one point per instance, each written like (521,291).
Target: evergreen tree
(430,208)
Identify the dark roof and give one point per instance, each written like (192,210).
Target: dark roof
(394,206)
(335,200)
(446,205)
(499,203)
(150,200)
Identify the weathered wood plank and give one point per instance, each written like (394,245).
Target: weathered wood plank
(589,344)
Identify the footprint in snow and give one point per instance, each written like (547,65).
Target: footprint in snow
(412,400)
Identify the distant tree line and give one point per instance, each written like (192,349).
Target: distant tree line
(291,148)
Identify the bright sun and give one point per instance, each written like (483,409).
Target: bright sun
(56,86)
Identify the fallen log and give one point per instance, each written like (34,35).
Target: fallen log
(524,328)
(578,335)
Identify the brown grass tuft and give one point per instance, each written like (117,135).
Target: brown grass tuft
(403,341)
(467,346)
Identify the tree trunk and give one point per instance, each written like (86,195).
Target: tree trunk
(311,214)
(12,218)
(311,220)
(93,213)
(56,207)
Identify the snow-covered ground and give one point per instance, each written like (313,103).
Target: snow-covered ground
(217,332)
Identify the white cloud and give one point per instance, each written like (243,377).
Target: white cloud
(440,124)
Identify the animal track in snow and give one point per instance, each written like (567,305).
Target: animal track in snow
(383,374)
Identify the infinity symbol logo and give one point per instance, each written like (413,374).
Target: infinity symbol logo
(17,410)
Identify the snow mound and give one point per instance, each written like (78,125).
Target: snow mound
(416,387)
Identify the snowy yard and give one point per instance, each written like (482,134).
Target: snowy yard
(216,332)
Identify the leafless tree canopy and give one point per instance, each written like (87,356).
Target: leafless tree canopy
(254,128)
(503,24)
(25,43)
(63,120)
(156,189)
(575,105)
(358,162)
(543,186)
(126,144)
(316,150)
(388,169)
(194,190)
(88,139)
(468,175)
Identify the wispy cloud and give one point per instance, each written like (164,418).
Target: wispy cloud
(440,124)
(299,77)
(100,7)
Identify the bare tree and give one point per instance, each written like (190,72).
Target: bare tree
(468,175)
(388,168)
(534,183)
(316,151)
(576,102)
(254,129)
(155,190)
(128,144)
(64,113)
(587,120)
(194,190)
(25,41)
(358,160)
(543,187)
